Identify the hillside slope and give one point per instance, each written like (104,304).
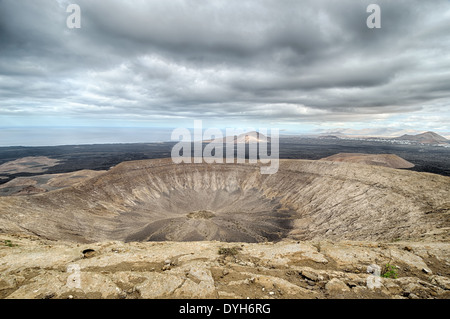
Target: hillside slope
(386,160)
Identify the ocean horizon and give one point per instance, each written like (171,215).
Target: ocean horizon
(54,136)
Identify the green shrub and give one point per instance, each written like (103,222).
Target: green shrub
(8,243)
(389,271)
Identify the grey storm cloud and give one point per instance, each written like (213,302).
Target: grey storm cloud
(277,60)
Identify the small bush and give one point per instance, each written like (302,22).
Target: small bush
(233,251)
(389,271)
(8,243)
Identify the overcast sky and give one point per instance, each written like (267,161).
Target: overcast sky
(287,64)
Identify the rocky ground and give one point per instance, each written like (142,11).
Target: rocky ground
(153,229)
(31,267)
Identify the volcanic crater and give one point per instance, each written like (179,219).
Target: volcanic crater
(157,200)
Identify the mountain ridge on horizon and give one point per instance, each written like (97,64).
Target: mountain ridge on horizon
(412,135)
(426,137)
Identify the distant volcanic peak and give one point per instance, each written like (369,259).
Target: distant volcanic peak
(387,160)
(247,137)
(251,137)
(426,137)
